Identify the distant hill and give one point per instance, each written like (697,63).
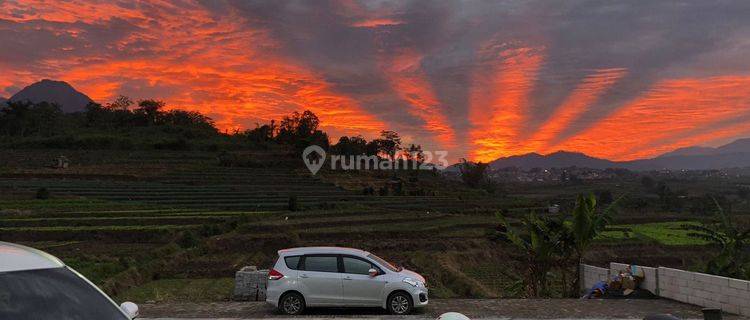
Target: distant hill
(560,159)
(2,101)
(732,155)
(689,151)
(60,92)
(738,146)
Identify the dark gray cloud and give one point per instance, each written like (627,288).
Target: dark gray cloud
(651,39)
(351,44)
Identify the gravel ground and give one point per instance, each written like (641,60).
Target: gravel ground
(485,308)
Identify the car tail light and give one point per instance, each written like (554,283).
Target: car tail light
(274,275)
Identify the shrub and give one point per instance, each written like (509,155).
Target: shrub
(42,193)
(208,230)
(187,239)
(293,204)
(172,144)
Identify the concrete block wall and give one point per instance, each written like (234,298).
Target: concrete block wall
(591,275)
(729,295)
(250,284)
(651,280)
(705,290)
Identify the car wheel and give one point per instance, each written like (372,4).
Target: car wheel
(399,303)
(292,304)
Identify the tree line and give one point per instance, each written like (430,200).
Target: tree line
(149,123)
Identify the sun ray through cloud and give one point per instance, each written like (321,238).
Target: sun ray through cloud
(671,107)
(499,100)
(407,80)
(196,61)
(577,103)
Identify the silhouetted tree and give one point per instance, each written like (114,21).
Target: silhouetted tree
(150,109)
(473,174)
(297,126)
(389,144)
(414,153)
(120,103)
(261,134)
(23,118)
(355,145)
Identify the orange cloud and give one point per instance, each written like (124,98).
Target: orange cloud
(672,107)
(720,134)
(407,80)
(68,11)
(376,22)
(195,61)
(575,105)
(499,100)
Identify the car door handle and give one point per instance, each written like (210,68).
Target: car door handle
(303,276)
(347,278)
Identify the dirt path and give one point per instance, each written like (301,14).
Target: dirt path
(513,309)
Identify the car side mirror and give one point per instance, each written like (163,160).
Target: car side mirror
(373,272)
(130,309)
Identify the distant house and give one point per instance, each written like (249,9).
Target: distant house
(555,208)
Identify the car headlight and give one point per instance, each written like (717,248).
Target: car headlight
(414,283)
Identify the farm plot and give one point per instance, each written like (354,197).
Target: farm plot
(187,225)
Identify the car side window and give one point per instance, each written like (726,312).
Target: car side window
(292,262)
(357,266)
(321,263)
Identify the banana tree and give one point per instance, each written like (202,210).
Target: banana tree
(733,259)
(586,224)
(538,242)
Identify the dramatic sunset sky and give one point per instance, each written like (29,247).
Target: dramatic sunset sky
(481,79)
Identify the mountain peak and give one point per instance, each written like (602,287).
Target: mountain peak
(54,91)
(557,159)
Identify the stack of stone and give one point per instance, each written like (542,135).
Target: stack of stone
(250,284)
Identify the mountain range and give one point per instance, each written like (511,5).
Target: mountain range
(60,92)
(735,154)
(732,155)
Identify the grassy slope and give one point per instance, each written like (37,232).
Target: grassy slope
(128,245)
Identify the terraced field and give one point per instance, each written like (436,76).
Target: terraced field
(163,226)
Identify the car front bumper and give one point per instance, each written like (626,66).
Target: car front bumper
(420,297)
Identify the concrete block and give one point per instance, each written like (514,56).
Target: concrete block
(712,304)
(705,295)
(730,292)
(682,282)
(250,284)
(714,288)
(730,308)
(738,301)
(686,290)
(696,301)
(739,284)
(680,297)
(711,279)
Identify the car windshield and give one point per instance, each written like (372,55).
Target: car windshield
(383,263)
(57,294)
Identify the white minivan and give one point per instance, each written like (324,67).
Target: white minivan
(341,277)
(36,285)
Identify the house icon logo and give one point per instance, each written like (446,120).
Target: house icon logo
(314,157)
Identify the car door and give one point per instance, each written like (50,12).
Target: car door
(320,280)
(360,289)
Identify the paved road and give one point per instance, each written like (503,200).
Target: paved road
(474,308)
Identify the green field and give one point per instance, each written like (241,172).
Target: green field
(665,233)
(176,226)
